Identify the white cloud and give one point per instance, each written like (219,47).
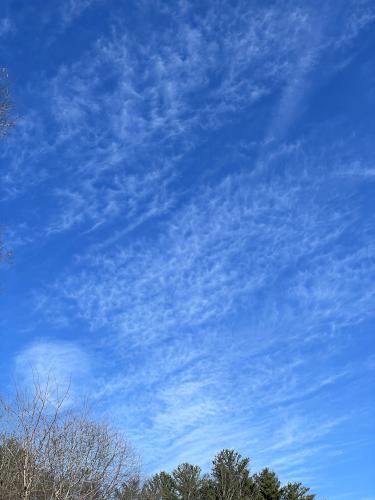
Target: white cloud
(268,252)
(218,252)
(114,139)
(63,365)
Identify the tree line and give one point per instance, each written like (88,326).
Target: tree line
(50,452)
(229,479)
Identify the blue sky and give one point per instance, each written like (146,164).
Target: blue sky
(189,194)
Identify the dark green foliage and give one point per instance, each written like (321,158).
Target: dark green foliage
(159,487)
(208,488)
(231,476)
(267,485)
(296,491)
(229,479)
(188,481)
(130,491)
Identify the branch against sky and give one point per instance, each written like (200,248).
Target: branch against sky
(6,124)
(6,115)
(48,450)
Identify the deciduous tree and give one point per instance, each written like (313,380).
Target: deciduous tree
(6,118)
(50,452)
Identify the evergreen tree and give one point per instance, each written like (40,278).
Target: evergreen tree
(296,491)
(268,485)
(231,476)
(160,487)
(208,491)
(130,490)
(188,481)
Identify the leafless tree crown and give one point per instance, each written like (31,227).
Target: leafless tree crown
(48,452)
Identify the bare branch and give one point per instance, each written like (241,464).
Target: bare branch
(47,451)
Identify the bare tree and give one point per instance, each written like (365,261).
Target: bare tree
(6,123)
(6,119)
(48,452)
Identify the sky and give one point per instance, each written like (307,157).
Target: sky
(189,196)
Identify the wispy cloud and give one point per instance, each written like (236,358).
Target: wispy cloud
(211,263)
(238,249)
(129,125)
(218,253)
(65,366)
(72,9)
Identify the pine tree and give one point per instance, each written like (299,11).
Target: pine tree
(130,490)
(207,491)
(268,485)
(188,481)
(231,476)
(296,491)
(160,487)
